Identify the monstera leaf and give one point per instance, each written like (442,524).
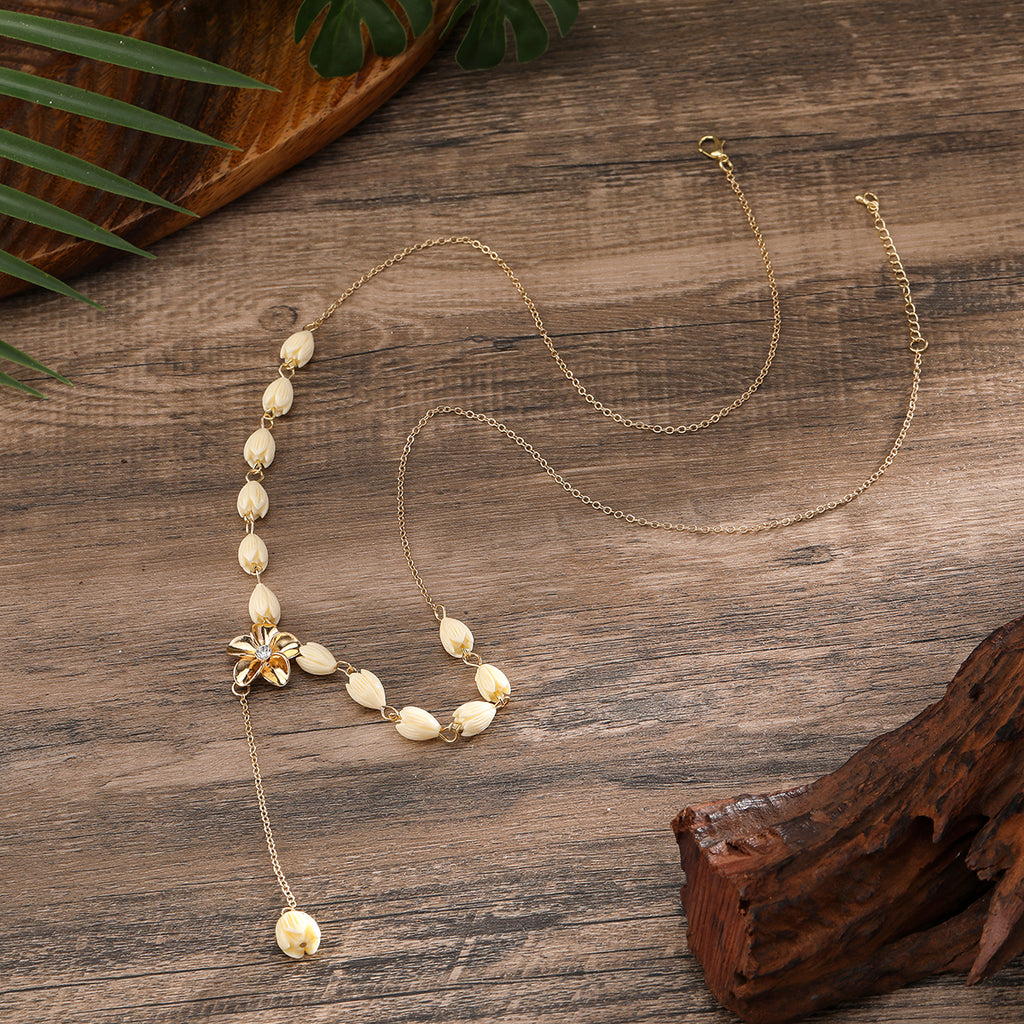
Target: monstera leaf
(339,48)
(484,43)
(110,48)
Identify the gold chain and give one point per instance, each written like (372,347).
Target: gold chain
(917,343)
(713,148)
(628,517)
(917,346)
(590,399)
(261,797)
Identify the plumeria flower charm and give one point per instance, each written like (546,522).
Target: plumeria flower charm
(265,652)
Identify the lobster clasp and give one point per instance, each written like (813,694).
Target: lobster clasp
(714,149)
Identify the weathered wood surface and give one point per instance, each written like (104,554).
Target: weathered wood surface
(531,875)
(272,130)
(903,863)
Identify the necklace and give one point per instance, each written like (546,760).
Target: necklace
(266,653)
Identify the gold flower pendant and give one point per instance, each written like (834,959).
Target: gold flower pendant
(266,653)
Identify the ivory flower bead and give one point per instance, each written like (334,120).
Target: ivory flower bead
(366,689)
(492,683)
(264,607)
(316,660)
(474,716)
(277,399)
(298,934)
(260,448)
(417,724)
(253,500)
(252,554)
(456,638)
(298,348)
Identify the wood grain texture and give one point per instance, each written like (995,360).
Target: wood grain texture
(531,875)
(272,130)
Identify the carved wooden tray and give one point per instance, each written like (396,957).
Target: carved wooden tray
(273,130)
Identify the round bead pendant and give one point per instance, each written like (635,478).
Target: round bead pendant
(298,934)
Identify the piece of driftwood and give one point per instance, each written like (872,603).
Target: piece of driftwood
(907,861)
(274,130)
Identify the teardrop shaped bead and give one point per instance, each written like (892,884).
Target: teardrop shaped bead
(260,448)
(366,689)
(253,500)
(278,397)
(252,554)
(417,724)
(474,716)
(456,637)
(298,348)
(297,934)
(315,659)
(264,607)
(492,683)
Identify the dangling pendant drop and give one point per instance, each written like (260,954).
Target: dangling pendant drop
(265,653)
(297,933)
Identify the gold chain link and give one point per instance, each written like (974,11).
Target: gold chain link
(917,343)
(268,832)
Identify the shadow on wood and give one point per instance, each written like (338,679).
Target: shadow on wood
(907,861)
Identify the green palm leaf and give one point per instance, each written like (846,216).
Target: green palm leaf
(69,98)
(483,46)
(124,51)
(15,355)
(37,211)
(339,48)
(55,161)
(12,382)
(24,271)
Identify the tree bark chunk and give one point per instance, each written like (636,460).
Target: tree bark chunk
(907,861)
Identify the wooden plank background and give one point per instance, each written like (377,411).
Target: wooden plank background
(530,875)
